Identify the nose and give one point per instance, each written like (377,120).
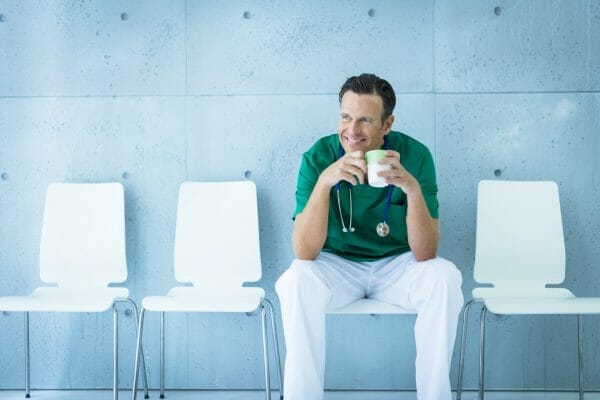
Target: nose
(354,127)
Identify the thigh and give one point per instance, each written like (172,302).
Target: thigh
(344,280)
(406,282)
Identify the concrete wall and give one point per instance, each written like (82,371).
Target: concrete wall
(153,93)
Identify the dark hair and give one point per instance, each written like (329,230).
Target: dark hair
(372,84)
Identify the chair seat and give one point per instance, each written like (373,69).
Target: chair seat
(55,299)
(543,301)
(371,306)
(194,299)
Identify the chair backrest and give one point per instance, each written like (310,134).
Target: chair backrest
(83,235)
(216,236)
(519,244)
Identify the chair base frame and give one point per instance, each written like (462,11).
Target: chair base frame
(482,320)
(265,308)
(115,351)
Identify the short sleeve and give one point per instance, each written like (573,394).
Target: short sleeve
(428,184)
(307,178)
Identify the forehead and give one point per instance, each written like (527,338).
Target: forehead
(361,104)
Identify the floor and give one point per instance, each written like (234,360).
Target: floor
(259,395)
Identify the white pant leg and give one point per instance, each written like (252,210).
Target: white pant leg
(306,290)
(432,288)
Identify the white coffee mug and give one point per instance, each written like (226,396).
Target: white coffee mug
(373,168)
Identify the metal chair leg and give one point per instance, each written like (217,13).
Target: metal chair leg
(463,342)
(267,304)
(27,378)
(137,353)
(115,352)
(580,355)
(482,351)
(144,374)
(263,320)
(162,355)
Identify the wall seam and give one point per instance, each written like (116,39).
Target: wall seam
(434,89)
(435,92)
(185,109)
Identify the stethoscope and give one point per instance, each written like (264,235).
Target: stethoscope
(383,229)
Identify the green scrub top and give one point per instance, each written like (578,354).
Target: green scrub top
(368,202)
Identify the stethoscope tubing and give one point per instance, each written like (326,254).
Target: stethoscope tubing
(338,186)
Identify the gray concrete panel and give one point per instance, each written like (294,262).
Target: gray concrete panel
(509,45)
(273,47)
(92,48)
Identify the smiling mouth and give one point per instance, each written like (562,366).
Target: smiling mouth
(354,141)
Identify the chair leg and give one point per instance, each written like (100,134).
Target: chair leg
(266,303)
(144,374)
(263,319)
(115,352)
(482,351)
(463,342)
(27,378)
(162,355)
(580,355)
(137,353)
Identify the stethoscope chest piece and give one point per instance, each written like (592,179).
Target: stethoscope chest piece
(383,229)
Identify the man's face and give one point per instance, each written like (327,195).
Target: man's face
(360,126)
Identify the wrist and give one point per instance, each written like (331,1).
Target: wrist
(414,192)
(322,186)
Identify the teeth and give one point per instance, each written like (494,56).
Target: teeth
(354,141)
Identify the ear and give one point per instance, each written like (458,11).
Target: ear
(387,124)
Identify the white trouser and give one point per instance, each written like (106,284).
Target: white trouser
(310,288)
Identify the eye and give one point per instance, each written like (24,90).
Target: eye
(366,121)
(345,117)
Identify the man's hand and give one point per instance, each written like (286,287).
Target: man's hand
(423,231)
(398,175)
(351,168)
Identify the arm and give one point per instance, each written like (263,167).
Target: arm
(423,230)
(310,227)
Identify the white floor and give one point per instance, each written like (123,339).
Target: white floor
(259,395)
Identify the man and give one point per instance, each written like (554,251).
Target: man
(352,241)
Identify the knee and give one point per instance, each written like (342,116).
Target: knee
(443,284)
(298,279)
(442,271)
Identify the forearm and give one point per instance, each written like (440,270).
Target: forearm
(423,230)
(310,227)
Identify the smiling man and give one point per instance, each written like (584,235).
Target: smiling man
(342,254)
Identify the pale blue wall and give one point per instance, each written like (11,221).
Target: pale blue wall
(194,90)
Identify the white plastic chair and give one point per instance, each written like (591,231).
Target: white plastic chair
(82,250)
(520,249)
(217,250)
